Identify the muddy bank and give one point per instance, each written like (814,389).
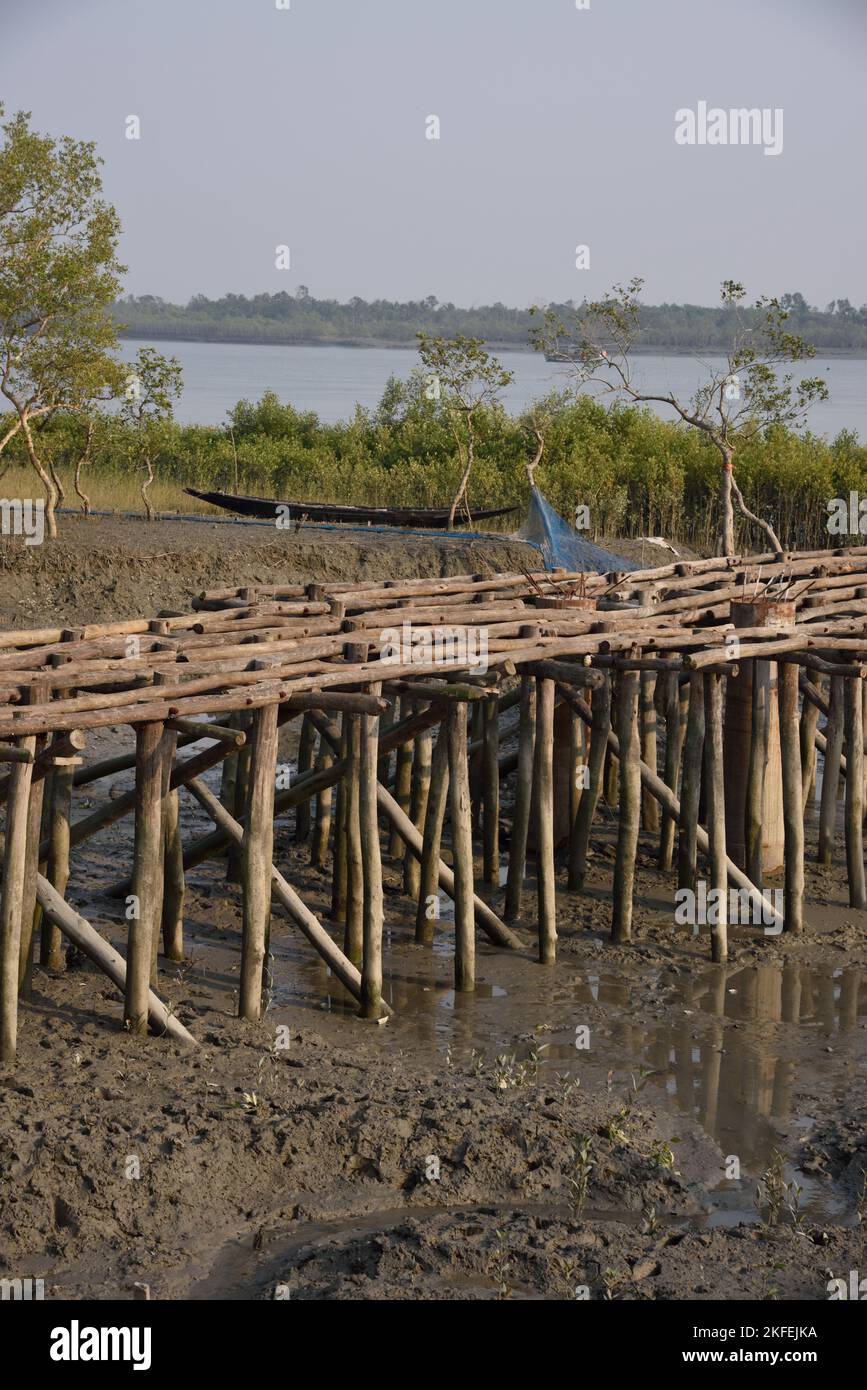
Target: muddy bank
(109,568)
(562,1132)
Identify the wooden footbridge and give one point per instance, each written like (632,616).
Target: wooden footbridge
(689,696)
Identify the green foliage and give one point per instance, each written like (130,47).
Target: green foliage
(638,474)
(58,273)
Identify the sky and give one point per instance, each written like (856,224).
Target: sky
(305,124)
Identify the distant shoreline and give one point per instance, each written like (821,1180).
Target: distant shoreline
(654,350)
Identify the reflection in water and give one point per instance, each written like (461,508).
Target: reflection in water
(737,1081)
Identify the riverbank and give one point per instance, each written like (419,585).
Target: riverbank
(631,1123)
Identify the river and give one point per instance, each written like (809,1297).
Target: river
(331,380)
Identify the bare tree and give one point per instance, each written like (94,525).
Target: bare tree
(467,379)
(737,401)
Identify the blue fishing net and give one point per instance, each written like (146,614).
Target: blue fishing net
(561,547)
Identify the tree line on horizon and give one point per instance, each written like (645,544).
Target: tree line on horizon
(285,318)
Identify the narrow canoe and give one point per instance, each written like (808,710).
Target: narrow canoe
(433,518)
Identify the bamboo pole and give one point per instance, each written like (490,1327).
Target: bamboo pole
(676,713)
(306,746)
(486,918)
(402,780)
(431,842)
(491,793)
(579,839)
(523,800)
(831,772)
(50,941)
(83,936)
(340,881)
(807,731)
(174,892)
(371,969)
(353,943)
(647,706)
(693,754)
(854,809)
(147,874)
(543,778)
(241,788)
(256,860)
(791,729)
(754,803)
(29,909)
(462,848)
(669,802)
(304,919)
(716,822)
(421,777)
(12,896)
(630,806)
(322,824)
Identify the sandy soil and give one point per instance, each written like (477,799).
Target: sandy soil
(315,1156)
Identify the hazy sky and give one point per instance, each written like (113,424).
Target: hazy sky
(306,127)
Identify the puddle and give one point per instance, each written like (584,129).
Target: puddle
(727,1046)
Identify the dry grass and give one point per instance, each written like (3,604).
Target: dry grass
(107,492)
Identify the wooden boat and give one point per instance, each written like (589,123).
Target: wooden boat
(432,518)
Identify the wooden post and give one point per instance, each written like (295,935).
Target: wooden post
(579,839)
(146,873)
(523,799)
(38,694)
(491,793)
(228,775)
(306,747)
(831,771)
(174,892)
(808,727)
(402,782)
(577,764)
(51,938)
(240,793)
(716,814)
(322,824)
(676,711)
(854,811)
(428,888)
(523,788)
(754,805)
(649,804)
(690,794)
(630,806)
(462,848)
(340,881)
(793,813)
(543,778)
(353,942)
(738,737)
(371,968)
(421,775)
(257,854)
(12,897)
(285,894)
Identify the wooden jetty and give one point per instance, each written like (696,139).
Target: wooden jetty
(693,697)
